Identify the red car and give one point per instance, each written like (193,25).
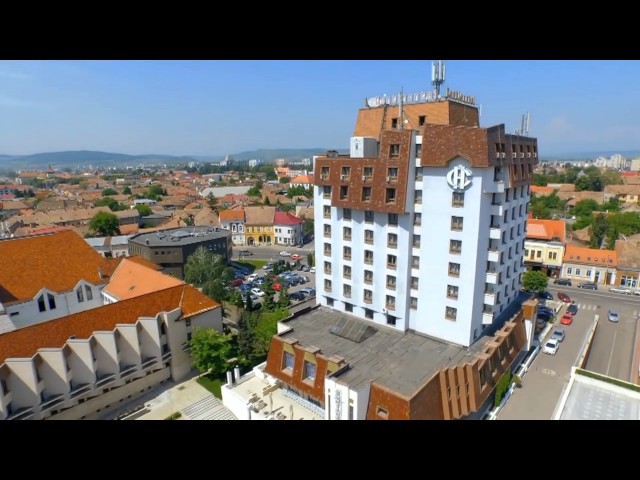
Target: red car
(566,319)
(276,286)
(563,297)
(236,282)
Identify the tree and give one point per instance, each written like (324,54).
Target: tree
(109,191)
(246,338)
(144,210)
(104,224)
(310,259)
(307,226)
(534,281)
(212,200)
(210,350)
(267,201)
(210,272)
(283,298)
(285,179)
(126,190)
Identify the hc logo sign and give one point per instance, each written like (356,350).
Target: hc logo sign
(459,177)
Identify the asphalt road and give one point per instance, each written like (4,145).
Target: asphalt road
(272,252)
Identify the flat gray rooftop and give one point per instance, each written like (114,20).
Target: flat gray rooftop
(400,361)
(180,236)
(592,399)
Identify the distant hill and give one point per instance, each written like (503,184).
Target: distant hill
(628,154)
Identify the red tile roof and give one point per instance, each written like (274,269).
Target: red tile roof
(286,218)
(25,342)
(541,190)
(546,229)
(56,261)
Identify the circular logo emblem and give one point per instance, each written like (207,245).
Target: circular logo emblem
(459,177)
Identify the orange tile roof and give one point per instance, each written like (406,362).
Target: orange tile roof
(143,261)
(590,256)
(25,342)
(232,216)
(302,179)
(56,261)
(546,229)
(541,190)
(132,279)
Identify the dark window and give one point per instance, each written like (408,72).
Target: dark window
(41,305)
(52,301)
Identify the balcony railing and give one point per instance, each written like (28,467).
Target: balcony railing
(347,294)
(149,361)
(327,253)
(368,261)
(327,233)
(368,280)
(51,401)
(22,414)
(391,266)
(126,370)
(324,177)
(368,241)
(347,256)
(347,237)
(327,271)
(392,244)
(79,389)
(102,380)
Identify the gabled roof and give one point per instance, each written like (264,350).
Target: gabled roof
(286,218)
(25,342)
(590,256)
(541,229)
(232,216)
(628,253)
(57,261)
(302,179)
(259,215)
(132,279)
(538,190)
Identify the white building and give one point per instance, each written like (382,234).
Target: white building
(254,162)
(288,228)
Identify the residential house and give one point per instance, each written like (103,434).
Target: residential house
(590,265)
(136,276)
(575,197)
(628,271)
(110,247)
(541,191)
(259,225)
(288,228)
(305,181)
(625,194)
(234,220)
(544,246)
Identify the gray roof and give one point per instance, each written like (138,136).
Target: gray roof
(400,361)
(593,399)
(180,236)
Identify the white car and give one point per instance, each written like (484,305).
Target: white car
(285,254)
(258,292)
(551,346)
(613,316)
(620,290)
(252,277)
(312,270)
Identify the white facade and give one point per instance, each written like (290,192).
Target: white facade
(490,223)
(288,234)
(237,230)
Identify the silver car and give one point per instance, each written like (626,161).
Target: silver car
(558,334)
(613,316)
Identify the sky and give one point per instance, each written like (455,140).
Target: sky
(219,107)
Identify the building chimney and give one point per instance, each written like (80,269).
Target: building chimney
(229,378)
(100,274)
(236,373)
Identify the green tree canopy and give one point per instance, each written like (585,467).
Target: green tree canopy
(535,281)
(210,272)
(210,350)
(126,190)
(104,224)
(109,191)
(110,202)
(144,210)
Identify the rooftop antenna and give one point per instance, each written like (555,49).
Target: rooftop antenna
(437,75)
(400,116)
(524,126)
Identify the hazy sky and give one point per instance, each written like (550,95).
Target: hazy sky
(215,107)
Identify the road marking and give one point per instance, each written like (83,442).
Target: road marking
(611,356)
(548,371)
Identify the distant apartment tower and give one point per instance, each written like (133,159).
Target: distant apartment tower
(254,162)
(422,226)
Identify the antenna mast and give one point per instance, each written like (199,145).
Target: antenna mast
(437,75)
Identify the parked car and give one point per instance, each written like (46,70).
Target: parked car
(562,281)
(563,297)
(306,268)
(546,295)
(551,346)
(236,282)
(613,316)
(636,292)
(544,309)
(572,309)
(567,319)
(246,252)
(297,297)
(558,334)
(312,270)
(257,291)
(252,277)
(295,257)
(588,286)
(238,274)
(311,292)
(284,254)
(624,290)
(259,281)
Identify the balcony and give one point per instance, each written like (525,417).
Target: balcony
(324,177)
(327,271)
(489,297)
(391,266)
(79,389)
(327,253)
(327,288)
(346,237)
(368,240)
(104,379)
(327,234)
(495,233)
(344,178)
(149,361)
(368,280)
(185,347)
(366,178)
(25,413)
(494,187)
(487,318)
(52,401)
(492,277)
(494,255)
(126,370)
(497,209)
(166,353)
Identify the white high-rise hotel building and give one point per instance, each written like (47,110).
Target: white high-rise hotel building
(422,226)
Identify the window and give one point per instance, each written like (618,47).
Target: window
(452,291)
(80,294)
(309,372)
(391,320)
(418,196)
(422,119)
(391,195)
(346,271)
(454,269)
(419,174)
(348,307)
(41,305)
(326,191)
(368,237)
(553,255)
(346,233)
(394,149)
(346,173)
(588,273)
(415,261)
(391,261)
(327,231)
(346,290)
(287,361)
(368,216)
(366,194)
(451,313)
(368,277)
(393,219)
(329,302)
(346,253)
(417,219)
(52,301)
(368,256)
(457,199)
(392,240)
(414,303)
(390,302)
(327,249)
(392,174)
(419,152)
(346,214)
(578,271)
(394,122)
(326,211)
(327,285)
(368,313)
(391,282)
(344,192)
(368,173)
(414,283)
(324,173)
(382,412)
(455,246)
(416,241)
(456,224)
(327,268)
(368,297)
